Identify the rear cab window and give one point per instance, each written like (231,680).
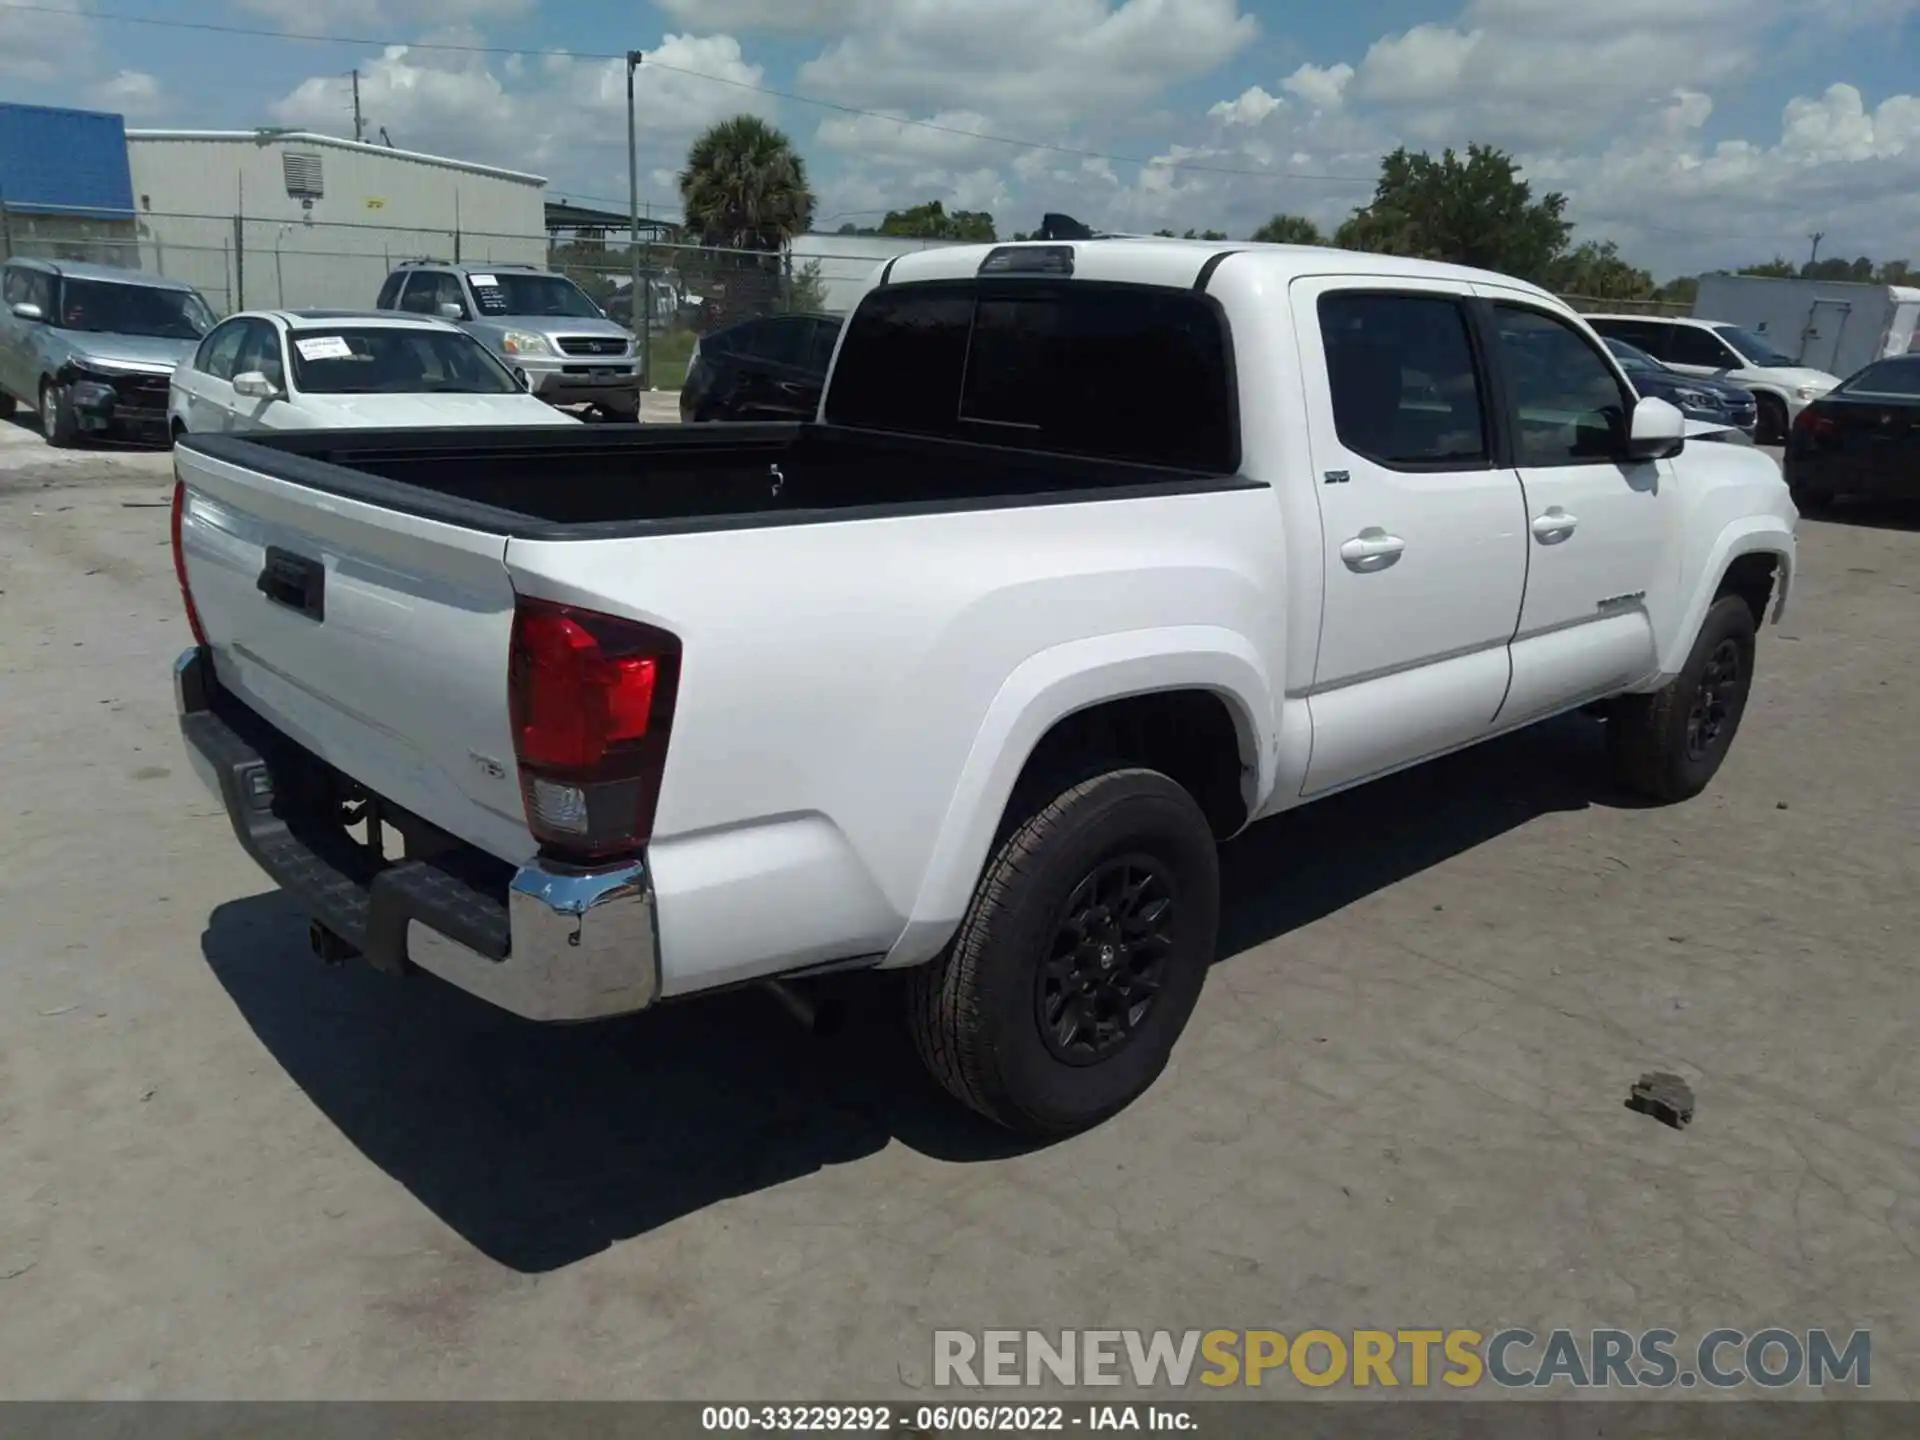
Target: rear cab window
(1045,366)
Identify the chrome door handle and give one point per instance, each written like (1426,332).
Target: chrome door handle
(1554,526)
(1372,549)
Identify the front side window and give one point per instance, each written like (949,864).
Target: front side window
(260,353)
(1569,408)
(1401,372)
(509,293)
(392,360)
(428,290)
(1755,349)
(221,349)
(115,307)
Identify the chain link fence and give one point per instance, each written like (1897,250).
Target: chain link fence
(240,262)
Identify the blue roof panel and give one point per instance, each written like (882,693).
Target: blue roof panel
(64,160)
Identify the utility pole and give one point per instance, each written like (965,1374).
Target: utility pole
(359,128)
(1814,255)
(642,315)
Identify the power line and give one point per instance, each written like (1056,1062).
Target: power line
(1073,151)
(934,126)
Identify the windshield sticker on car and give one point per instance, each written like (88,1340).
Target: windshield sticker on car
(483,281)
(323,347)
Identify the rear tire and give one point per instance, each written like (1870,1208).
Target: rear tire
(1811,501)
(1080,958)
(1771,427)
(1669,745)
(57,420)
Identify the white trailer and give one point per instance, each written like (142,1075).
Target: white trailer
(1831,325)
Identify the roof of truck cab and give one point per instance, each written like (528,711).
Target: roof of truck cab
(1159,260)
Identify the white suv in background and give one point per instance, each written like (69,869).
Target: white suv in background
(329,369)
(1781,385)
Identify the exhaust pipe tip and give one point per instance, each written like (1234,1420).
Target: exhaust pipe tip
(819,1018)
(331,949)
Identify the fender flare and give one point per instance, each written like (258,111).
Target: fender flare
(1045,689)
(1754,534)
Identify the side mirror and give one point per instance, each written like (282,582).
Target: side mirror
(27,310)
(520,378)
(1656,430)
(255,386)
(450,311)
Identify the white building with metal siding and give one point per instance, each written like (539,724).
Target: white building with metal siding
(288,218)
(847,262)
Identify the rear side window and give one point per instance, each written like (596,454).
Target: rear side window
(1058,368)
(1692,345)
(1649,335)
(1405,390)
(1894,379)
(778,341)
(390,292)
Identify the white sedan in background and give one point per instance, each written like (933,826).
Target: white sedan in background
(335,369)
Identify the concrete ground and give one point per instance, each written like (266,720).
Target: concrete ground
(226,1171)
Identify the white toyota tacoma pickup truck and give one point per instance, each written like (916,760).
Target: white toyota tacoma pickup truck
(1097,553)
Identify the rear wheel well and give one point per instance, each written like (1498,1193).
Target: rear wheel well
(1751,577)
(1187,735)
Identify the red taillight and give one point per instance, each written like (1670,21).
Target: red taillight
(591,698)
(1811,424)
(180,561)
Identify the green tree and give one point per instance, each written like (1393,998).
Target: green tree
(1681,290)
(1288,230)
(1472,210)
(745,187)
(1595,270)
(1777,268)
(1193,235)
(932,221)
(807,290)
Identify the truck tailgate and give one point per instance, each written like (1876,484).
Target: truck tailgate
(376,639)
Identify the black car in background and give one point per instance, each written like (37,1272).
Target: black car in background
(1860,440)
(772,368)
(1699,397)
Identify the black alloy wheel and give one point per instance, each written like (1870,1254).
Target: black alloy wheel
(1714,701)
(1108,960)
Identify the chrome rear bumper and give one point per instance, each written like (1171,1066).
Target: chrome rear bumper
(553,942)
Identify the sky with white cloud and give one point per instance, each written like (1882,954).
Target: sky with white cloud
(1696,133)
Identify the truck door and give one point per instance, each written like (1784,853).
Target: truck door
(1602,532)
(1425,540)
(1820,345)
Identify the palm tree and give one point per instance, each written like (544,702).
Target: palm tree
(745,186)
(1288,230)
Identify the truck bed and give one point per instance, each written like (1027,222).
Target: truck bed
(607,481)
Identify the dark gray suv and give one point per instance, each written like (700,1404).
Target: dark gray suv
(91,348)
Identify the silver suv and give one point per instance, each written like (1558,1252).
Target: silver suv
(91,347)
(537,322)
